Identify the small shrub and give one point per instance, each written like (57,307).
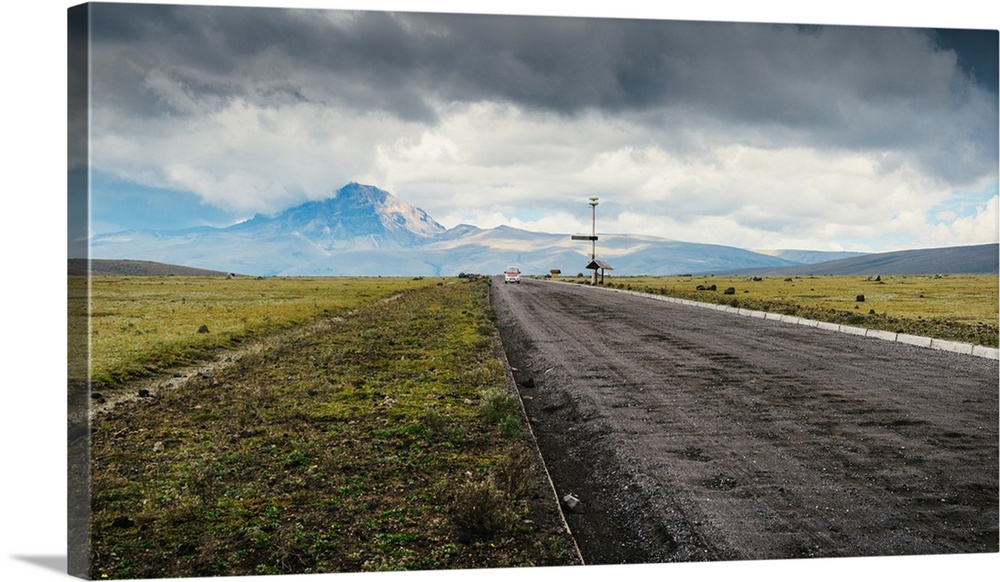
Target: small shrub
(510,425)
(481,510)
(433,419)
(493,506)
(497,404)
(514,475)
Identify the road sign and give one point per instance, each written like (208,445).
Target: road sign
(583,237)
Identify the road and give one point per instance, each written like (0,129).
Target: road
(691,434)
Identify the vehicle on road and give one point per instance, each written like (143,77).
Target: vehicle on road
(511,275)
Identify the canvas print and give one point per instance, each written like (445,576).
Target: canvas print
(384,291)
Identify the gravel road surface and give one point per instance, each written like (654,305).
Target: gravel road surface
(690,434)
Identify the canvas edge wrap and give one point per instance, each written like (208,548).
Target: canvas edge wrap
(78,292)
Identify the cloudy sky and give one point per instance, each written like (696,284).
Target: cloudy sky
(754,135)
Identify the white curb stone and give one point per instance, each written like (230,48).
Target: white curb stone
(914,340)
(984,352)
(853,330)
(881,334)
(950,346)
(903,338)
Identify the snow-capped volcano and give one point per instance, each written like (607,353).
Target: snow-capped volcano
(357,216)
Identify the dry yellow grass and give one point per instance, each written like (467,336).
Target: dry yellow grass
(141,324)
(960,307)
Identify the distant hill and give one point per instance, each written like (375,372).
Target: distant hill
(137,268)
(364,231)
(806,257)
(975,259)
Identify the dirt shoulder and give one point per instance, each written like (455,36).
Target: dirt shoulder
(690,434)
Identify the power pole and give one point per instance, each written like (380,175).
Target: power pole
(593,236)
(593,240)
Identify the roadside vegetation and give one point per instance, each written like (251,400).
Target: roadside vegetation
(954,307)
(380,437)
(143,325)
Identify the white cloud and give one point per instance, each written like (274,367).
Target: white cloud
(489,164)
(245,157)
(854,154)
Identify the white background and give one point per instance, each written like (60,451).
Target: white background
(32,507)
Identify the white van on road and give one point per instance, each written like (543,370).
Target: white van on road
(511,275)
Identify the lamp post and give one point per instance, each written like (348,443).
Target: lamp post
(593,236)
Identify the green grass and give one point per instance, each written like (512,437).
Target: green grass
(954,307)
(366,444)
(141,325)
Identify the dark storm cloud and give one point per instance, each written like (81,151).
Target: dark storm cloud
(562,64)
(976,51)
(824,86)
(260,54)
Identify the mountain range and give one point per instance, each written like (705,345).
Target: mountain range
(365,231)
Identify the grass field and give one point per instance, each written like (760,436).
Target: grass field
(379,437)
(140,325)
(955,307)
